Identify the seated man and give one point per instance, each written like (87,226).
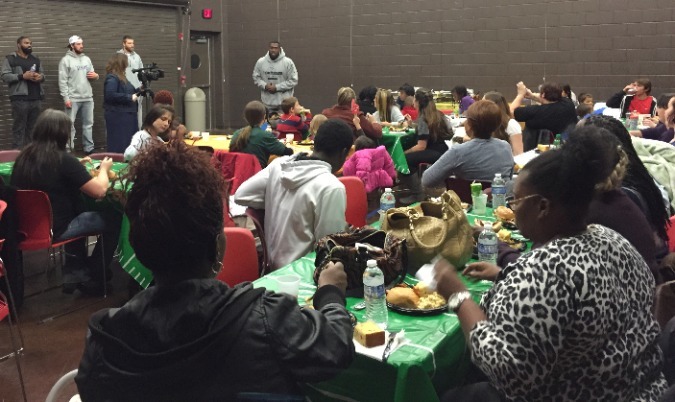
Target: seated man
(303,200)
(555,113)
(344,111)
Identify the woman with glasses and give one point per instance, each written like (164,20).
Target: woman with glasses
(570,320)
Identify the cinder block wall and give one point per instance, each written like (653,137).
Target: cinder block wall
(597,46)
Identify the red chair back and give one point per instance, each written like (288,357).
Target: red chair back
(236,167)
(671,235)
(240,262)
(112,155)
(462,187)
(9,156)
(35,219)
(357,201)
(257,216)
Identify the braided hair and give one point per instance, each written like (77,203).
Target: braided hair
(637,177)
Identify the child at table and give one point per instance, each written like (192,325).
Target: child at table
(317,121)
(254,140)
(294,120)
(409,110)
(370,163)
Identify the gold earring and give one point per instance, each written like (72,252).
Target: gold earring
(217,271)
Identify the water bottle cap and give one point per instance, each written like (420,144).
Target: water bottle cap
(498,175)
(487,225)
(387,190)
(371,263)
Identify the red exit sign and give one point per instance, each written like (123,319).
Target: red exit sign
(207,13)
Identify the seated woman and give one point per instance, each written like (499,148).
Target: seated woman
(432,131)
(510,130)
(191,337)
(462,96)
(156,124)
(46,166)
(482,156)
(638,184)
(344,111)
(177,130)
(570,320)
(254,140)
(387,114)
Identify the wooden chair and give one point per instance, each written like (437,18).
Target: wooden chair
(462,187)
(240,262)
(357,201)
(112,155)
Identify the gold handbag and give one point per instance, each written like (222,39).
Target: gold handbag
(433,228)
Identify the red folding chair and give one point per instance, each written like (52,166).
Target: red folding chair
(240,262)
(9,156)
(236,167)
(112,155)
(357,201)
(7,309)
(35,228)
(671,234)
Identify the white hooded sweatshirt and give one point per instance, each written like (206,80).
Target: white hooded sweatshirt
(303,202)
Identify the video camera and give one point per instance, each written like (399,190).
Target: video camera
(147,74)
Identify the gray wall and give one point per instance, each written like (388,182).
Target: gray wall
(101,24)
(597,46)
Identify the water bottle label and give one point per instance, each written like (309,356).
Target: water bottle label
(373,292)
(498,190)
(384,206)
(487,248)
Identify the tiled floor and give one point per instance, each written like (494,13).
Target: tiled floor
(53,348)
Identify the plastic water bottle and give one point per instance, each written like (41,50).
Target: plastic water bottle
(487,244)
(373,292)
(33,68)
(498,191)
(387,201)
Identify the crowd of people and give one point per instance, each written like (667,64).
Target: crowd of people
(571,319)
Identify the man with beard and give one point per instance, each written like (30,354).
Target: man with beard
(276,76)
(22,71)
(75,72)
(135,62)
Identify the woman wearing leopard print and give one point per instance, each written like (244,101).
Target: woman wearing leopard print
(570,320)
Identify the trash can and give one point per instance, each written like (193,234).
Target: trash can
(195,109)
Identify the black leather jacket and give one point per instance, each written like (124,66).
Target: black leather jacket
(200,340)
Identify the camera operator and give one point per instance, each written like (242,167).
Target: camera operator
(135,62)
(120,104)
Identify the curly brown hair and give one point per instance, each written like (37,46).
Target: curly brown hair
(175,209)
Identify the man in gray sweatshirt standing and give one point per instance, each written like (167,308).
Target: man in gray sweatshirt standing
(276,76)
(75,72)
(135,62)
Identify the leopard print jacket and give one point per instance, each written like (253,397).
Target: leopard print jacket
(571,320)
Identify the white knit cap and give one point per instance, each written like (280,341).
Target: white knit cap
(74,39)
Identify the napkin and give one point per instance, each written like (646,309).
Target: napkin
(376,351)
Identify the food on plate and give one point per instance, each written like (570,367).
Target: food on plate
(306,142)
(505,214)
(369,334)
(504,235)
(430,301)
(403,297)
(111,175)
(543,147)
(421,289)
(465,205)
(496,225)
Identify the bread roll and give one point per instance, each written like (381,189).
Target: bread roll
(504,213)
(403,297)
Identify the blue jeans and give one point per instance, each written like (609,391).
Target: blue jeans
(87,109)
(78,268)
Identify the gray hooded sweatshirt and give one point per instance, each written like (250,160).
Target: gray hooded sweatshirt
(280,72)
(73,82)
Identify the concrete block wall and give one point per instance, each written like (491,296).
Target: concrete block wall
(597,46)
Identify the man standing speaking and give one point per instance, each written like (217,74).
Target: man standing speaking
(276,76)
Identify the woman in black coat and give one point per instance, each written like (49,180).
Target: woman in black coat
(119,102)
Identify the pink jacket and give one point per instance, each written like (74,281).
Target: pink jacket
(373,166)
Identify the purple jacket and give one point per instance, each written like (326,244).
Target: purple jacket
(373,166)
(464,103)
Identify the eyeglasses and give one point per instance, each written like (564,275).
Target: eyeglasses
(513,202)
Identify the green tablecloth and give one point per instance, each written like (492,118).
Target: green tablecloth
(396,143)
